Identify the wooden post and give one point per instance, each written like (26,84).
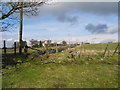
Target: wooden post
(21,27)
(81,50)
(4,47)
(105,50)
(14,47)
(115,49)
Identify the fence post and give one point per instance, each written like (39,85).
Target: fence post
(14,47)
(4,47)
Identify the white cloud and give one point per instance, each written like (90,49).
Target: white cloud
(91,38)
(113,29)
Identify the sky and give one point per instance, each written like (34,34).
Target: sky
(94,22)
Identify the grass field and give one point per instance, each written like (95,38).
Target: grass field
(78,67)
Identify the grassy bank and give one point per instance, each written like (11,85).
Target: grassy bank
(61,70)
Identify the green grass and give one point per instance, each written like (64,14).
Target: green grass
(74,76)
(11,51)
(59,71)
(100,46)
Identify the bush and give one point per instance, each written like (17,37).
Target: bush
(51,51)
(35,46)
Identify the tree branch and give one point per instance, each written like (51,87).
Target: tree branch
(17,8)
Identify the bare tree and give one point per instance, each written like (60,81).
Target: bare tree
(11,9)
(10,12)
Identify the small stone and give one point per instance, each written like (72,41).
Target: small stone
(101,59)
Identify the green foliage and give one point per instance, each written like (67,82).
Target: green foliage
(23,44)
(40,44)
(54,44)
(35,46)
(19,61)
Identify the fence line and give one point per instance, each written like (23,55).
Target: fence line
(46,50)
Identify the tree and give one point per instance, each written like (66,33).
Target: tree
(10,12)
(40,44)
(34,42)
(21,27)
(64,42)
(24,43)
(11,9)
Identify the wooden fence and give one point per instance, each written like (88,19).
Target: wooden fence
(5,48)
(50,50)
(45,50)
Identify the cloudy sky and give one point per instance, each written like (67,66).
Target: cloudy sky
(92,22)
